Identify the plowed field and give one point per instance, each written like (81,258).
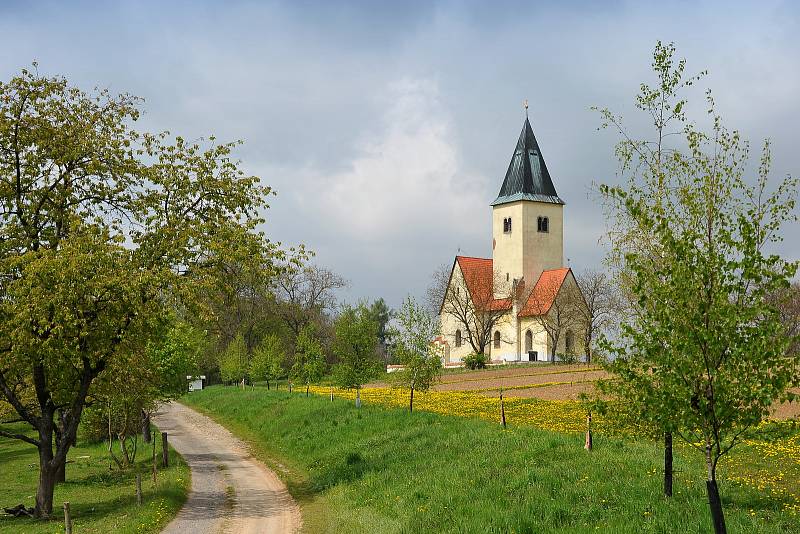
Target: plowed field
(545,381)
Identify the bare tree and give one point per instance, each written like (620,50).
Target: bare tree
(788,304)
(437,289)
(479,302)
(602,306)
(306,294)
(556,307)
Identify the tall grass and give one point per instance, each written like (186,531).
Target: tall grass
(384,470)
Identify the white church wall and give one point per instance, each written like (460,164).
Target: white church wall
(507,351)
(539,339)
(507,247)
(542,250)
(449,325)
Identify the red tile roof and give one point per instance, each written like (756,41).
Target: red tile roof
(544,292)
(479,277)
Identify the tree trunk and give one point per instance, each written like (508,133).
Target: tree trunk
(714,502)
(267,385)
(146,437)
(61,473)
(306,390)
(411,402)
(47,481)
(668,464)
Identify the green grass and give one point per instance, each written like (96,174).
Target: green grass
(384,470)
(101,501)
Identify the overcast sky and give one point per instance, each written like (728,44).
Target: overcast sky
(387,127)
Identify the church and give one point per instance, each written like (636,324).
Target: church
(523,303)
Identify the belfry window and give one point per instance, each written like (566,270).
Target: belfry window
(542,224)
(507,225)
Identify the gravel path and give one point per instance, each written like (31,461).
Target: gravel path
(231,491)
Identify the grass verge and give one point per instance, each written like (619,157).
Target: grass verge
(101,501)
(381,469)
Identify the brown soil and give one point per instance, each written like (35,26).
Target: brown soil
(511,376)
(512,370)
(787,410)
(515,381)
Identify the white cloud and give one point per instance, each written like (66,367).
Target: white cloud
(406,177)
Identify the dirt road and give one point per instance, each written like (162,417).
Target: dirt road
(231,491)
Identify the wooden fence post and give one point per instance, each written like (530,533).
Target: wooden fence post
(331,393)
(138,489)
(164,450)
(154,462)
(67,519)
(502,409)
(588,445)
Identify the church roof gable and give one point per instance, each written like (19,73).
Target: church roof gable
(544,293)
(527,177)
(478,276)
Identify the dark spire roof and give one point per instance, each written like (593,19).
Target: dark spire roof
(527,177)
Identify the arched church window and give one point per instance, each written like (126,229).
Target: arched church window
(542,224)
(458,338)
(528,341)
(569,341)
(497,339)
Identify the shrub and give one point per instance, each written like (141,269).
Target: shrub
(476,361)
(567,358)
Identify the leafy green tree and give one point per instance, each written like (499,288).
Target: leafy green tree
(355,344)
(104,229)
(266,361)
(412,341)
(130,389)
(647,164)
(174,358)
(380,314)
(234,362)
(705,353)
(169,361)
(309,361)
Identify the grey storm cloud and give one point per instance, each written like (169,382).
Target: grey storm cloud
(387,127)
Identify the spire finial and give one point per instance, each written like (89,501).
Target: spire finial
(525,103)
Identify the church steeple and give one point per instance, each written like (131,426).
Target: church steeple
(527,216)
(527,177)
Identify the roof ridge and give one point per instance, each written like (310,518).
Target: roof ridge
(474,258)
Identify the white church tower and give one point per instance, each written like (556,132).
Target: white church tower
(527,216)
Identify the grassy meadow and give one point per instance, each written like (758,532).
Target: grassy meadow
(381,469)
(101,501)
